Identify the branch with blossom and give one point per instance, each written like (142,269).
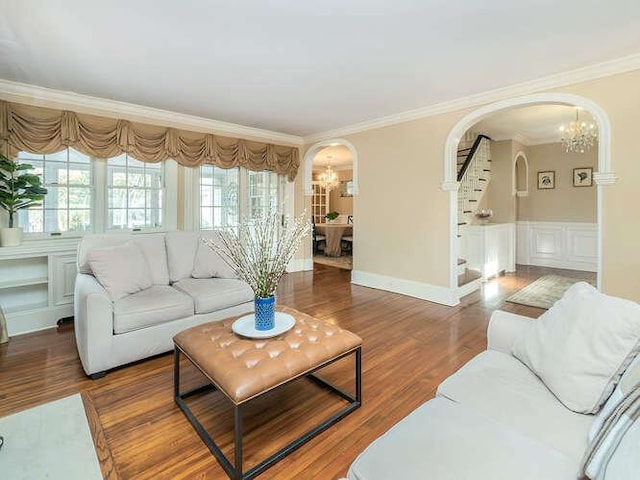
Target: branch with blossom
(259,250)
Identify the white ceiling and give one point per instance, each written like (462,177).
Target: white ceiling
(530,125)
(338,156)
(304,67)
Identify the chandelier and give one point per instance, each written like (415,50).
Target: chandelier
(578,136)
(329,178)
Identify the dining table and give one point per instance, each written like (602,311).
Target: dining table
(333,233)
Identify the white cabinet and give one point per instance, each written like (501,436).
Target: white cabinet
(490,248)
(36,283)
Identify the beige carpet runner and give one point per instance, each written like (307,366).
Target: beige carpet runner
(545,291)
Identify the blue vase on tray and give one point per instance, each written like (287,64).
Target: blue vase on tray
(265,312)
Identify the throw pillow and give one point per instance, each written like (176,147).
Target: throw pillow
(581,346)
(208,264)
(121,270)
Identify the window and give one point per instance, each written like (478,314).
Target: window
(263,192)
(135,193)
(219,205)
(68,177)
(228,196)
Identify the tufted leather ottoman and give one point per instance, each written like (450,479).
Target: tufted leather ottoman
(243,369)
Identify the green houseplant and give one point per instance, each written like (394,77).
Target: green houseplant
(18,190)
(331,216)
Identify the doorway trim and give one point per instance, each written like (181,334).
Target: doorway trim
(603,177)
(307,171)
(307,163)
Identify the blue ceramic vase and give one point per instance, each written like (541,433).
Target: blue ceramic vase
(265,313)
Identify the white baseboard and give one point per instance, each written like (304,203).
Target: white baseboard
(19,323)
(300,265)
(470,287)
(425,291)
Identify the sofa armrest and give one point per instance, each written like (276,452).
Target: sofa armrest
(93,323)
(504,328)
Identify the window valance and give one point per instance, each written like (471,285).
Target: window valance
(44,130)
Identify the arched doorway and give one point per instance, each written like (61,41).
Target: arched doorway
(602,177)
(337,245)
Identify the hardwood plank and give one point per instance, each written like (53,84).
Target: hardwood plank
(107,465)
(410,346)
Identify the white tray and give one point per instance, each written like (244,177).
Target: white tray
(246,326)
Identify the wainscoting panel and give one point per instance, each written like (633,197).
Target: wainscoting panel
(569,245)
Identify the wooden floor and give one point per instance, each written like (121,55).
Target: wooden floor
(409,347)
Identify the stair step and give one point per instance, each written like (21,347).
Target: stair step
(462,223)
(461,261)
(486,169)
(466,211)
(477,189)
(468,276)
(482,179)
(472,200)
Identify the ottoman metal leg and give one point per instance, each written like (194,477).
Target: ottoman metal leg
(235,472)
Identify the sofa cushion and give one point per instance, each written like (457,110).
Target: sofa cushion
(154,249)
(208,264)
(581,346)
(151,244)
(155,305)
(446,441)
(499,386)
(212,294)
(121,270)
(181,252)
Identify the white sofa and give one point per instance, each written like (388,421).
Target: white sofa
(495,419)
(112,331)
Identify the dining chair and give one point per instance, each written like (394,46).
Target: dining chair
(318,240)
(350,219)
(346,243)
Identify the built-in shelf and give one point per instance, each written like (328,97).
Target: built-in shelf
(23,282)
(26,307)
(37,283)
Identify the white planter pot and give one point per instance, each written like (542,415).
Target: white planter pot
(10,237)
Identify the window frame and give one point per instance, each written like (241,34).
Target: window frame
(169,207)
(28,236)
(99,203)
(191,189)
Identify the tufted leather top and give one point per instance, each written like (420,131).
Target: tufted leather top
(244,368)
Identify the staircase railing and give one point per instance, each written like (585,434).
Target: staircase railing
(472,152)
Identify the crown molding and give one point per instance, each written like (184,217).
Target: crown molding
(592,72)
(50,98)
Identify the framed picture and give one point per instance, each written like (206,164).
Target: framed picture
(546,180)
(346,188)
(583,177)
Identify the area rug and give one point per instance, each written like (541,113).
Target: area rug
(49,441)
(344,261)
(545,291)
